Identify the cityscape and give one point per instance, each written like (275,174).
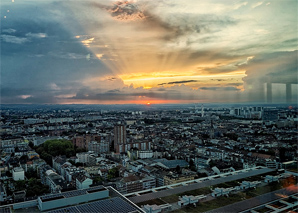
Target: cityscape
(148,106)
(150,158)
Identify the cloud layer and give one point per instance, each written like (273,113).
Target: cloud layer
(135,51)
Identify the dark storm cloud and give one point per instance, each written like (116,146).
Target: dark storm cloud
(291,41)
(234,84)
(219,69)
(278,67)
(38,54)
(123,10)
(113,91)
(179,82)
(111,79)
(133,93)
(173,26)
(220,88)
(179,25)
(210,55)
(217,79)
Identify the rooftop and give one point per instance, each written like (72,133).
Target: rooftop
(72,193)
(109,205)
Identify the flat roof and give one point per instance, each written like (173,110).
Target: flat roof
(109,205)
(73,193)
(174,163)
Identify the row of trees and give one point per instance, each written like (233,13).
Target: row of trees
(52,148)
(57,147)
(33,187)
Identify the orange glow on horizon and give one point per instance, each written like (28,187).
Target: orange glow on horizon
(149,80)
(140,102)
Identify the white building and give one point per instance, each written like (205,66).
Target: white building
(185,200)
(156,209)
(18,173)
(270,178)
(102,147)
(55,181)
(223,191)
(271,164)
(249,184)
(60,120)
(83,182)
(145,154)
(82,157)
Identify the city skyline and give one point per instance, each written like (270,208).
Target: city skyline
(142,52)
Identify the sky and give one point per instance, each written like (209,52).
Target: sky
(144,51)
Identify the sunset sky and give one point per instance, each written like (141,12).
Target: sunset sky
(137,51)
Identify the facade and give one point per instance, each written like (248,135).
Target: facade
(120,138)
(145,154)
(202,162)
(270,114)
(102,147)
(18,173)
(58,162)
(128,185)
(271,164)
(84,140)
(19,196)
(55,181)
(172,179)
(60,120)
(82,157)
(83,182)
(120,134)
(71,171)
(64,199)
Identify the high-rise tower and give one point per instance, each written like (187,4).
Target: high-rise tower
(120,138)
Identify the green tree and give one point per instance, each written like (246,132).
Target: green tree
(97,179)
(113,173)
(32,182)
(35,188)
(54,148)
(20,185)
